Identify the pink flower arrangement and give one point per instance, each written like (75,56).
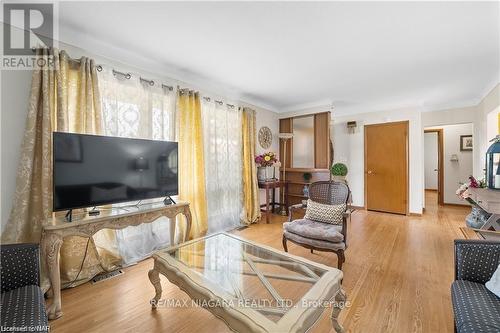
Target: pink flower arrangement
(463,190)
(266,159)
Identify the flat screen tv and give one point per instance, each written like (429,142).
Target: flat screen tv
(92,170)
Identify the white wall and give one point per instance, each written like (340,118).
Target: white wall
(490,104)
(478,116)
(455,172)
(15,89)
(492,129)
(349,149)
(431,160)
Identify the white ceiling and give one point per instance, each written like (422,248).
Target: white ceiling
(360,56)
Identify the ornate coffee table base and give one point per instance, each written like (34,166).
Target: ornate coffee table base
(240,319)
(340,299)
(154,277)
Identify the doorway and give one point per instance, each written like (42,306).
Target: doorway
(455,162)
(433,163)
(386,167)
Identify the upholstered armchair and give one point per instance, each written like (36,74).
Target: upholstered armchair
(316,235)
(476,308)
(22,300)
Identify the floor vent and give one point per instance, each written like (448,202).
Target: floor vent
(243,227)
(106,276)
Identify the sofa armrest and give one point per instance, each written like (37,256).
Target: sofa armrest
(19,266)
(476,260)
(292,208)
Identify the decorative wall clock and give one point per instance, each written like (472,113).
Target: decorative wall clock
(265,137)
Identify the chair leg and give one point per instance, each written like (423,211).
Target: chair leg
(284,244)
(341,259)
(312,251)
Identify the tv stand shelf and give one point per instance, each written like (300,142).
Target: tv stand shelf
(86,226)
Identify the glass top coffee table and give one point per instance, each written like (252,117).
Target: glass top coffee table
(252,287)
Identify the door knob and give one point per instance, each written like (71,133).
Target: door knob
(370,172)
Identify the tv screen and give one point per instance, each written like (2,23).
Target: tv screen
(92,170)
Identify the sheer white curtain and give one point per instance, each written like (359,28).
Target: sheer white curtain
(136,108)
(223,163)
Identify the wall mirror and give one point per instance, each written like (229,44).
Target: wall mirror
(303,142)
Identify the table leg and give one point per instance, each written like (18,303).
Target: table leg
(154,277)
(51,244)
(273,202)
(187,214)
(492,222)
(171,222)
(340,298)
(267,205)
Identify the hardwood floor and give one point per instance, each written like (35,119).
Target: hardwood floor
(397,276)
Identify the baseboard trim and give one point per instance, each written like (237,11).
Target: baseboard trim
(415,214)
(456,205)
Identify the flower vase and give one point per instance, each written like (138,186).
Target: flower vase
(305,191)
(269,172)
(339,179)
(261,174)
(477,217)
(265,173)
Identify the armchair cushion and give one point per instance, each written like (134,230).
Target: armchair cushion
(315,230)
(316,243)
(476,308)
(19,266)
(476,260)
(493,284)
(24,307)
(324,213)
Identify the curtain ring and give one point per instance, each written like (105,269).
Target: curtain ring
(99,68)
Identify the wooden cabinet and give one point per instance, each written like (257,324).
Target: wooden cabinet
(296,182)
(322,140)
(321,150)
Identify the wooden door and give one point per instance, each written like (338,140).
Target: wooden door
(386,167)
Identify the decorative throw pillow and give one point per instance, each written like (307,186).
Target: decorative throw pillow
(324,213)
(493,284)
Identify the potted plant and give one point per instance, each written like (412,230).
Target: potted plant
(307,176)
(339,171)
(265,165)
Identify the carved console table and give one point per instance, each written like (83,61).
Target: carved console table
(54,233)
(489,200)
